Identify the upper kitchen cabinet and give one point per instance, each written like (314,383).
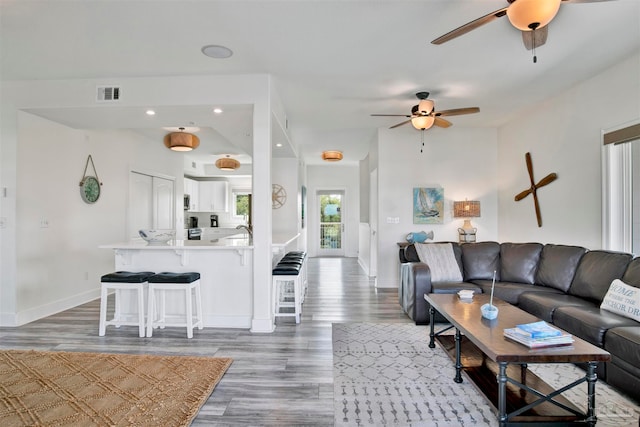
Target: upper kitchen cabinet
(191,188)
(213,196)
(151,202)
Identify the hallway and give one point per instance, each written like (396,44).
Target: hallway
(284,378)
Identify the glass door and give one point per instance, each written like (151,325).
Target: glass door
(331,223)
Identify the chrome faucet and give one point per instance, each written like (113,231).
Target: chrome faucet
(244,227)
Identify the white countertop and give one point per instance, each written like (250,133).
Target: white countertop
(236,241)
(240,241)
(283,239)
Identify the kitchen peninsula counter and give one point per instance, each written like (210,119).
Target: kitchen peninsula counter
(226,274)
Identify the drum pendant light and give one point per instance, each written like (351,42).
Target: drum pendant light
(181,141)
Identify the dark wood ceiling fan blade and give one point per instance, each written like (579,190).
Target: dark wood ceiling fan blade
(539,36)
(400,124)
(470,26)
(522,195)
(390,115)
(547,180)
(527,158)
(458,111)
(441,122)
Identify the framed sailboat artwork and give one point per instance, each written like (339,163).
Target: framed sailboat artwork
(428,205)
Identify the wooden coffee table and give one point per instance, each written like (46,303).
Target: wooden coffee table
(481,351)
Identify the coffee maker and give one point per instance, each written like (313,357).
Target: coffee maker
(193,222)
(214,220)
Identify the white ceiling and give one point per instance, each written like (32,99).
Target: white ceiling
(334,62)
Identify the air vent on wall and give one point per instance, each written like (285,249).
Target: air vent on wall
(108,93)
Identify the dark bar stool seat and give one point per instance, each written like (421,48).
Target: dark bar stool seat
(123,281)
(189,283)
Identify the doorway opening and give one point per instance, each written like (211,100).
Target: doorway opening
(331,205)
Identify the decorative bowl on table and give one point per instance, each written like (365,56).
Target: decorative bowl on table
(157,237)
(466,294)
(489,311)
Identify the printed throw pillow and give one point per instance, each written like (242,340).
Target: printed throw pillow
(622,299)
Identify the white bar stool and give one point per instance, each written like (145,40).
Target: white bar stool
(282,277)
(122,281)
(185,282)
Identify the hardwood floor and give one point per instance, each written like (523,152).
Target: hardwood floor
(284,378)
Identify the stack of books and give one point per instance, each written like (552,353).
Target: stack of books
(538,334)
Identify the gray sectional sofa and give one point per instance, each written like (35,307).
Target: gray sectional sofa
(561,284)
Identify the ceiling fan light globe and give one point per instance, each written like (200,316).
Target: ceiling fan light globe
(525,14)
(425,106)
(422,122)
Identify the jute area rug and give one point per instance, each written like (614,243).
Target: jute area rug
(97,389)
(386,375)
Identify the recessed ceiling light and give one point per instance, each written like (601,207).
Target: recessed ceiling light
(278,145)
(217,110)
(216,51)
(150,113)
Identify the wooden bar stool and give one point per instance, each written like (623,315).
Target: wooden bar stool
(189,283)
(123,281)
(286,285)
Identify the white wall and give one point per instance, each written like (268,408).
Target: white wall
(286,218)
(141,92)
(60,266)
(334,177)
(563,135)
(463,161)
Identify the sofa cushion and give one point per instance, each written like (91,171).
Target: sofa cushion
(624,377)
(624,342)
(441,261)
(589,323)
(596,271)
(508,291)
(410,255)
(622,299)
(632,273)
(544,304)
(558,264)
(480,260)
(519,262)
(454,287)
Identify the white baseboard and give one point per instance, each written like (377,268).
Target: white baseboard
(389,284)
(262,326)
(35,313)
(216,321)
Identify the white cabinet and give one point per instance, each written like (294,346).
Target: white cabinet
(151,203)
(192,188)
(212,196)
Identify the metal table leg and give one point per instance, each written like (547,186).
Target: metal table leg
(458,377)
(592,377)
(502,393)
(432,334)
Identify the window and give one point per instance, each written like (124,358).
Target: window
(621,189)
(241,204)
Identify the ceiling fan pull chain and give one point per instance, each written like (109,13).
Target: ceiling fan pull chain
(533,27)
(422,137)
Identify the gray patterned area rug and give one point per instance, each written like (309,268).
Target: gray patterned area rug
(386,375)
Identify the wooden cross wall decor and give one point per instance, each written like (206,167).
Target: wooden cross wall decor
(534,187)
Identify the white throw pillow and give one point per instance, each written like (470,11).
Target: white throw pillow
(441,261)
(622,299)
